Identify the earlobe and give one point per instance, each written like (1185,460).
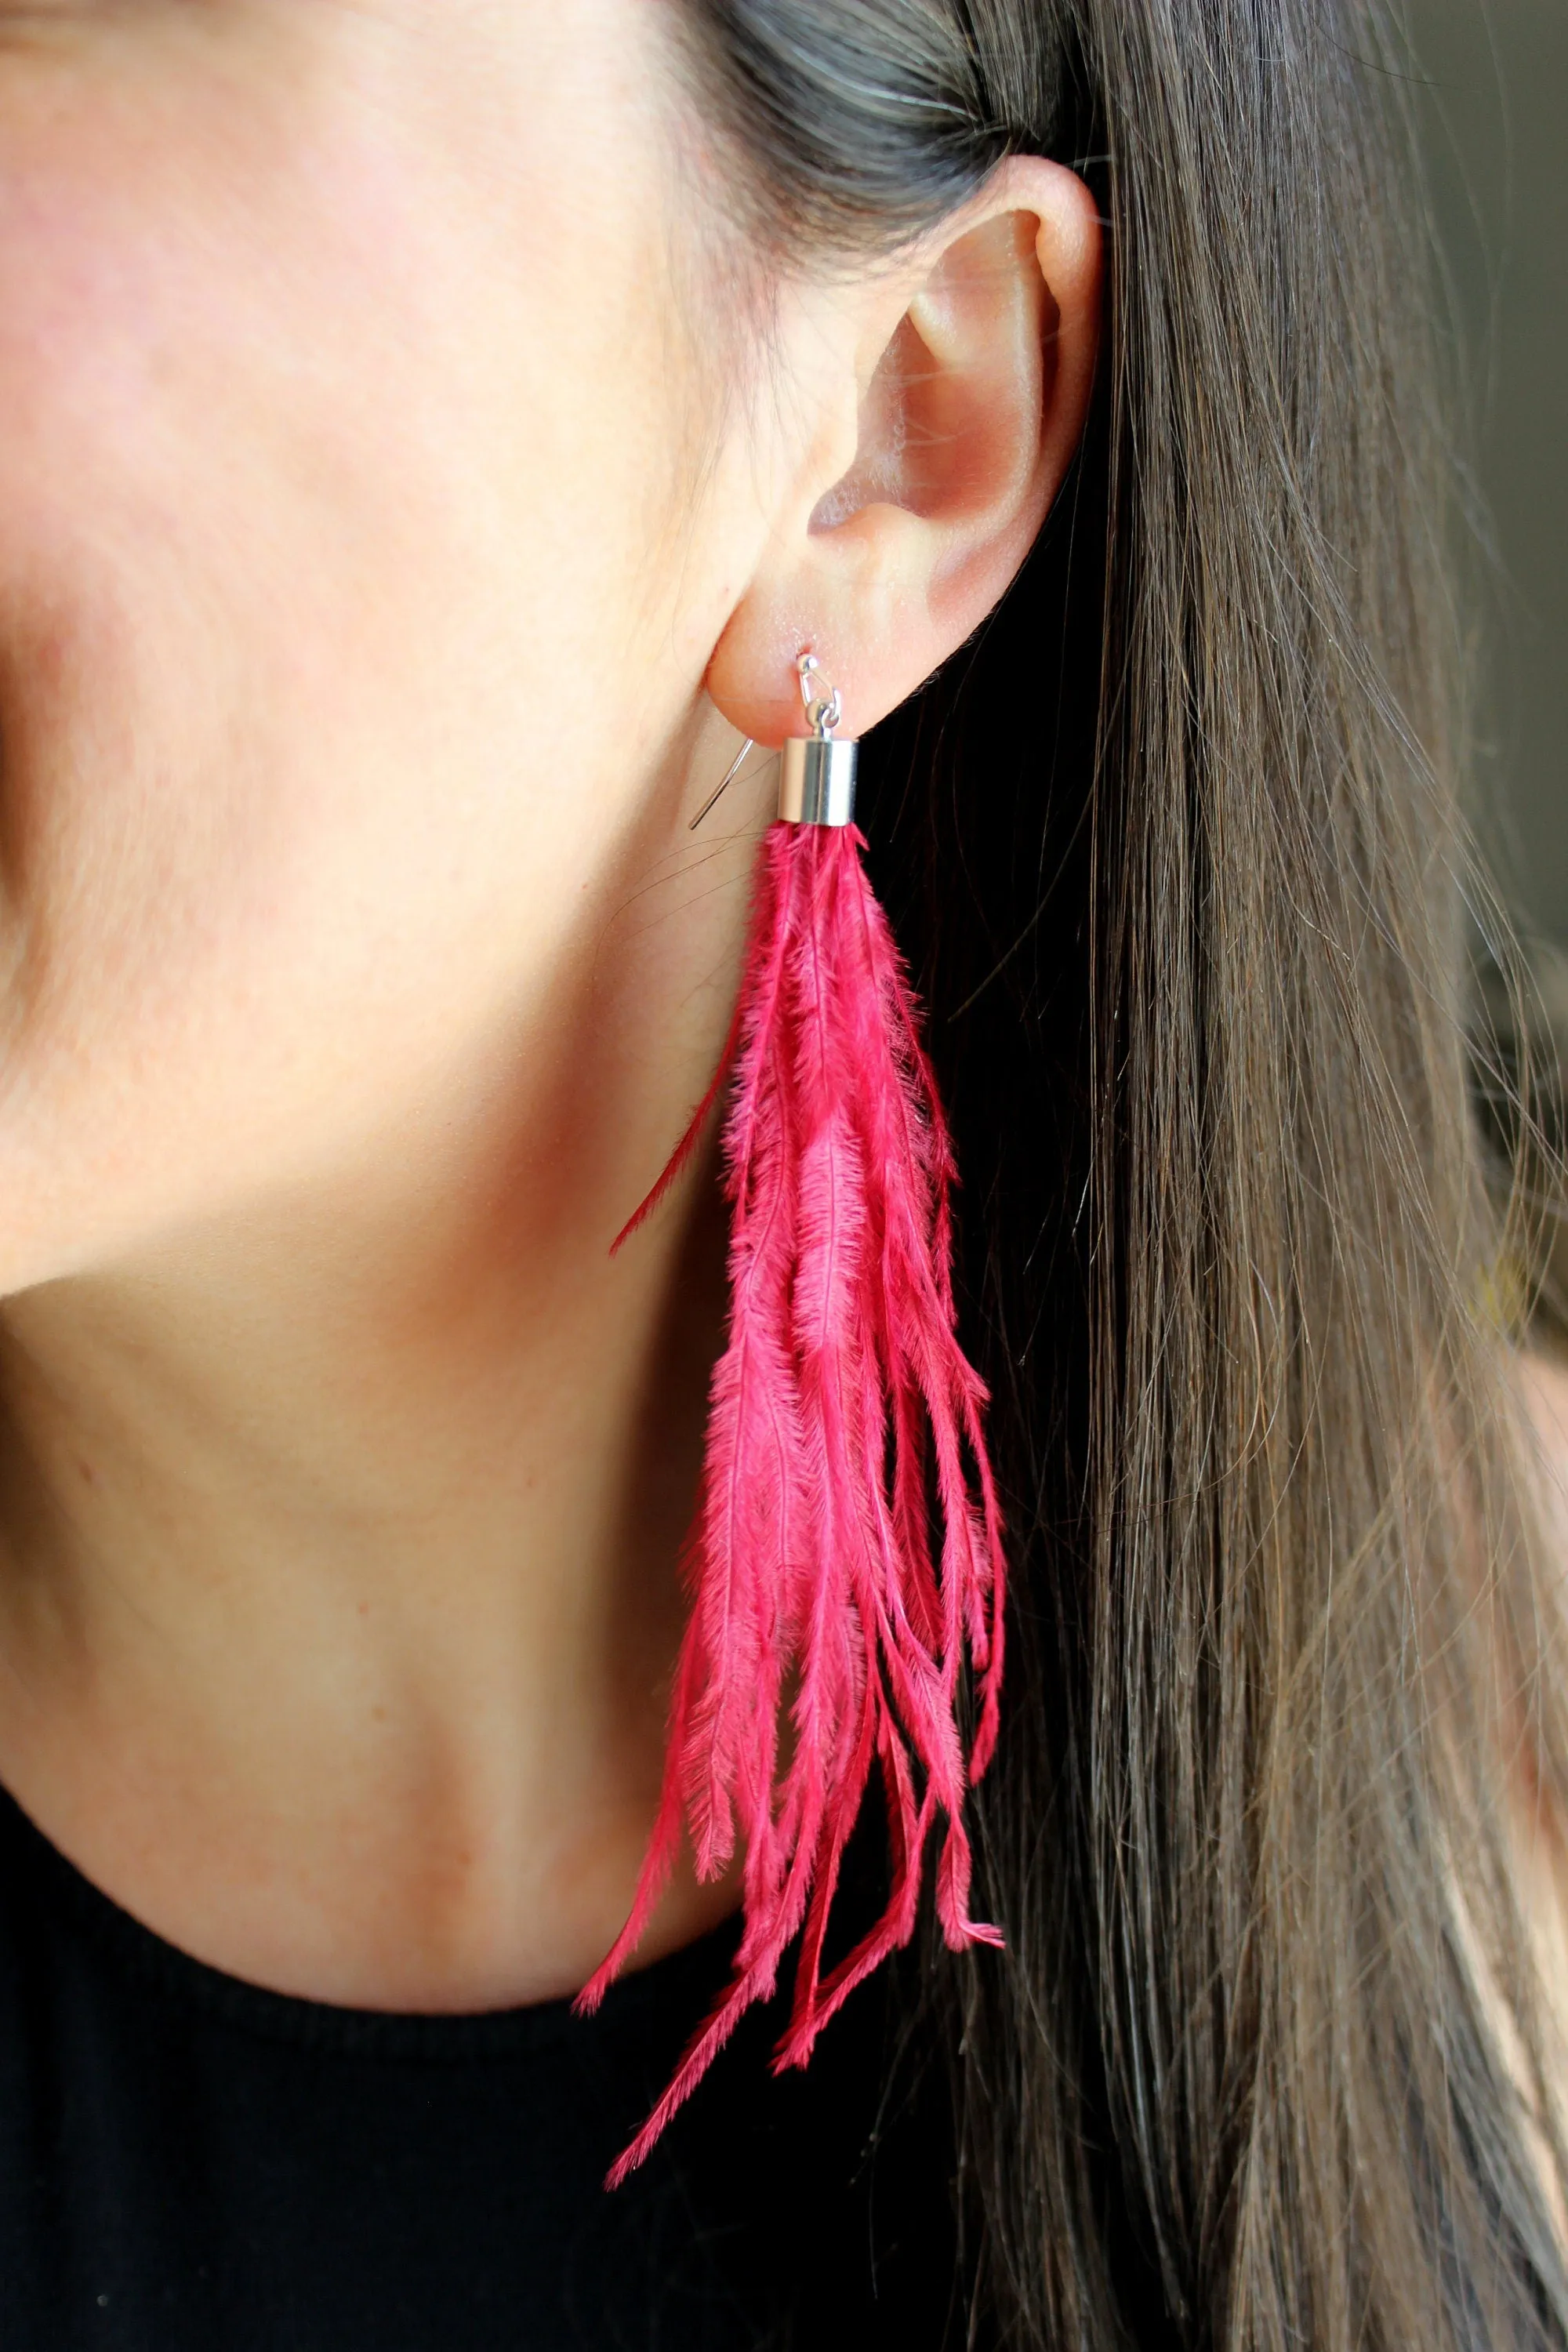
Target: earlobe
(981,360)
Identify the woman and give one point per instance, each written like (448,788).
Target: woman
(431,432)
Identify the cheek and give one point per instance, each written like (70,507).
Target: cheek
(326,649)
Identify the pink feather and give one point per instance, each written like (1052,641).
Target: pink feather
(841,1402)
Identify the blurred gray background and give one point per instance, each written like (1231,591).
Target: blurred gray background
(1493,102)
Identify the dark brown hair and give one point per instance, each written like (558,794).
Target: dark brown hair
(1172,846)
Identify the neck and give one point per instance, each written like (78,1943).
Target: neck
(339,1585)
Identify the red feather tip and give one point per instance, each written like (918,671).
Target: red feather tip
(841,1403)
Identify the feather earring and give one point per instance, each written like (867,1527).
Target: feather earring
(845,1563)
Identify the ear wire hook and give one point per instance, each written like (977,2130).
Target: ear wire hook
(823,713)
(824,710)
(711,803)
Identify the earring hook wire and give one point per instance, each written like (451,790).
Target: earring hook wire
(823,712)
(736,765)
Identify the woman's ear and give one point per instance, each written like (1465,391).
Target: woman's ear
(969,365)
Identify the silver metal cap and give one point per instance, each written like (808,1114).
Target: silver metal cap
(816,780)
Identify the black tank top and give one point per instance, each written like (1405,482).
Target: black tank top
(189,2164)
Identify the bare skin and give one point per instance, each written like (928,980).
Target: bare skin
(1543,1385)
(386,562)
